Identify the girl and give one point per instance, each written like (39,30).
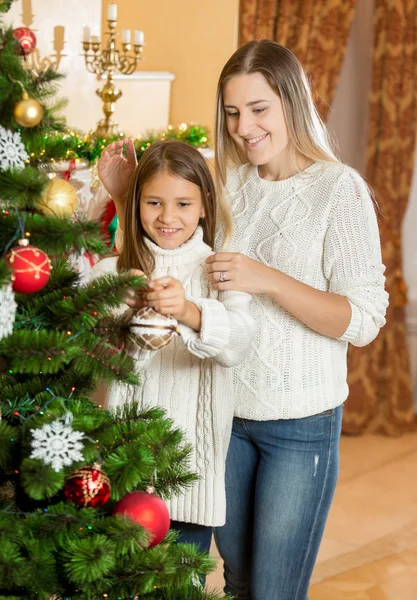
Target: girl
(170,219)
(305,244)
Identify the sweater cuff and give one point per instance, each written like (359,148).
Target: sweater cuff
(214,335)
(354,326)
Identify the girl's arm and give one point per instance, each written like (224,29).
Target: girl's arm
(227,329)
(353,309)
(210,328)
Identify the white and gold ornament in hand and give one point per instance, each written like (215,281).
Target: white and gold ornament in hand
(153,330)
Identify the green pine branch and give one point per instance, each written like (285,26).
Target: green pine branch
(54,235)
(90,303)
(4,273)
(15,390)
(21,189)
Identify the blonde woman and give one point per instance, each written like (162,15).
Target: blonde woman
(305,244)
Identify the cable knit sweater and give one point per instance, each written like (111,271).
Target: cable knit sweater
(319,227)
(188,377)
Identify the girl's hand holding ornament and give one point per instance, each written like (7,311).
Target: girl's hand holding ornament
(167,297)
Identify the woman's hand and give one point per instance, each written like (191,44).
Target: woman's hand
(235,271)
(116,171)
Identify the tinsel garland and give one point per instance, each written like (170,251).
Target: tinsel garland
(57,146)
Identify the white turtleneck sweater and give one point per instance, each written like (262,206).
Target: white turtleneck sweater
(188,377)
(319,227)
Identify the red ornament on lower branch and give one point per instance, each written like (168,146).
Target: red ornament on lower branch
(31,268)
(147,510)
(88,486)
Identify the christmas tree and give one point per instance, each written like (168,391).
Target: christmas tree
(69,470)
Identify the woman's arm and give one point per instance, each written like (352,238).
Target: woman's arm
(354,307)
(116,171)
(328,314)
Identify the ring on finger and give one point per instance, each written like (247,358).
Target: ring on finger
(222,276)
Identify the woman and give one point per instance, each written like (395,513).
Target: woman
(305,244)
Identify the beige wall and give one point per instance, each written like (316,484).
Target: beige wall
(190,38)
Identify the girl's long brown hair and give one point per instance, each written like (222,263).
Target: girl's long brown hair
(179,160)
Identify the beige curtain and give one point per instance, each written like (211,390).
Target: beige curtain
(380,397)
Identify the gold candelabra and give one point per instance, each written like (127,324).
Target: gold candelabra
(110,60)
(40,64)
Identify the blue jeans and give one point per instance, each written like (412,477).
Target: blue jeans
(280,480)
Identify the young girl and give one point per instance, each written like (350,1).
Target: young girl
(170,220)
(305,244)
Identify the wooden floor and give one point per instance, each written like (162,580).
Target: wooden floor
(369,550)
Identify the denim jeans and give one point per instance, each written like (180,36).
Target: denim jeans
(280,480)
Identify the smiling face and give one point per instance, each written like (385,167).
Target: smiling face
(170,209)
(255,119)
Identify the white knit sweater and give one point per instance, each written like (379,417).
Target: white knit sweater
(319,227)
(188,377)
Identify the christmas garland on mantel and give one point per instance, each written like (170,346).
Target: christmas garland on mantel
(68,145)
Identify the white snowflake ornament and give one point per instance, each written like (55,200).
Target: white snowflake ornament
(7,310)
(57,444)
(12,150)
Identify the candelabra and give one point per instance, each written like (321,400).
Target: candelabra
(38,64)
(108,61)
(33,59)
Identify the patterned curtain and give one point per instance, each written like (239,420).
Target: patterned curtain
(380,390)
(317,31)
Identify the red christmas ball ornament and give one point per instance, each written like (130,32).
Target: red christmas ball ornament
(88,486)
(147,510)
(26,38)
(31,268)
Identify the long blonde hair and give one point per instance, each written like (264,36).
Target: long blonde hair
(285,75)
(180,160)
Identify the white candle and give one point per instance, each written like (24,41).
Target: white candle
(139,38)
(95,34)
(126,36)
(112,12)
(86,33)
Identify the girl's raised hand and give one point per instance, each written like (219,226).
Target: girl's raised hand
(115,171)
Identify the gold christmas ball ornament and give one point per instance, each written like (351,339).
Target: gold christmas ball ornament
(28,112)
(58,199)
(152,330)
